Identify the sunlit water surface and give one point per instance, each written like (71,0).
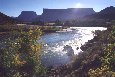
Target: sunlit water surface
(53,50)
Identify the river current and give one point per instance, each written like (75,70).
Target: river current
(54,52)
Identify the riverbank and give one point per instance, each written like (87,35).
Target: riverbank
(97,56)
(4,29)
(96,60)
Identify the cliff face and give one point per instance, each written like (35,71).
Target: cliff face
(4,19)
(27,16)
(65,14)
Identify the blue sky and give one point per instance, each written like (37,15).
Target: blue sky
(14,7)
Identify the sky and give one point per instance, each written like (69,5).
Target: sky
(14,7)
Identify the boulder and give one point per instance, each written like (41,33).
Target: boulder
(69,50)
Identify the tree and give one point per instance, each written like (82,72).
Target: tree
(58,23)
(38,23)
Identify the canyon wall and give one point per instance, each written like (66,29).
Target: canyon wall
(65,14)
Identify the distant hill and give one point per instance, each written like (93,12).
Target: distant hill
(27,16)
(107,13)
(65,14)
(4,19)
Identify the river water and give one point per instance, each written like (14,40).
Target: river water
(54,52)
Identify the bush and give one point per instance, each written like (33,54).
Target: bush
(107,58)
(19,54)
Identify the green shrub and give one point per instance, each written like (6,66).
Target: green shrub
(20,54)
(108,57)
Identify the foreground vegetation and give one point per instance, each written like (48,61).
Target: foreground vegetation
(20,54)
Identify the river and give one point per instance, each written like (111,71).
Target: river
(58,45)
